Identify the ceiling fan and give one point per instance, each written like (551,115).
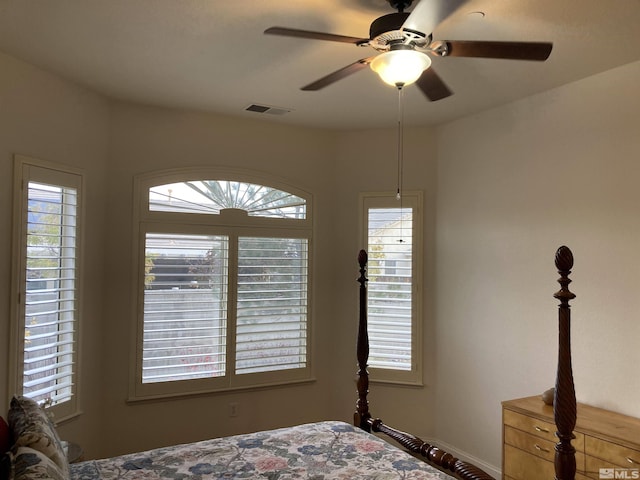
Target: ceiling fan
(401,32)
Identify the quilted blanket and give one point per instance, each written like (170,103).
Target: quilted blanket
(319,451)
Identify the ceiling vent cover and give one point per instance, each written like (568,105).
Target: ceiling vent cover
(271,110)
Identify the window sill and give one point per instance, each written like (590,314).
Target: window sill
(179,395)
(401,383)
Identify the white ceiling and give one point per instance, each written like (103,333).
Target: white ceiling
(212,55)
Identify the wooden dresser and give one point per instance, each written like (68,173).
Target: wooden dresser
(604,439)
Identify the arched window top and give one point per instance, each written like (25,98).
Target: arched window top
(213,196)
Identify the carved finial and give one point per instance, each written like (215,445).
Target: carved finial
(564,264)
(564,259)
(362,258)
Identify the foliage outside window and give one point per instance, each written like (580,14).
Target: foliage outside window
(224,286)
(392,231)
(46,307)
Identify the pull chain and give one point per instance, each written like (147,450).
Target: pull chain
(400,144)
(400,158)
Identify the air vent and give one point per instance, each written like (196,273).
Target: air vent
(271,110)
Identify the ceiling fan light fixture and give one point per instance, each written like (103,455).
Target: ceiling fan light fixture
(400,67)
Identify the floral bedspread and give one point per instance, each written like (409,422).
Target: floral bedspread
(319,451)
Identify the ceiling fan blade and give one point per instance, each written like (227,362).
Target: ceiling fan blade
(339,74)
(432,85)
(294,32)
(539,51)
(428,14)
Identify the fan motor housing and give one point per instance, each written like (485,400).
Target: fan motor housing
(386,32)
(387,23)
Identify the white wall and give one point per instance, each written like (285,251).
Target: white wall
(45,117)
(515,183)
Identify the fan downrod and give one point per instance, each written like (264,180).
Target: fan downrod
(400,5)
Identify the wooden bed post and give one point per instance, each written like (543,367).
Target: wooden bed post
(564,404)
(361,416)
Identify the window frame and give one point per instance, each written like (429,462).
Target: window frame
(413,199)
(233,224)
(28,169)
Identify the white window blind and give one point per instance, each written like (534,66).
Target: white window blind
(185,307)
(390,287)
(50,302)
(271,329)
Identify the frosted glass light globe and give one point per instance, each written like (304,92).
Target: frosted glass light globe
(400,67)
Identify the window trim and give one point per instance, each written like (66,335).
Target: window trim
(28,169)
(414,199)
(234,226)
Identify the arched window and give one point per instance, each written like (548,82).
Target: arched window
(223,276)
(212,196)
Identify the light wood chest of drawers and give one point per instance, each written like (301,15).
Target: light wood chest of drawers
(604,439)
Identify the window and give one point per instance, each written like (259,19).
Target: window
(46,310)
(223,284)
(391,230)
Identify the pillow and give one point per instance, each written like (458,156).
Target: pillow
(5,465)
(31,427)
(29,464)
(5,437)
(5,443)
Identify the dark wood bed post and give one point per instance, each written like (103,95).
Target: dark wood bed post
(362,418)
(564,402)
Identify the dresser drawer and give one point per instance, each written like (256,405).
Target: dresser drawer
(537,446)
(539,428)
(521,465)
(612,453)
(533,426)
(593,466)
(529,443)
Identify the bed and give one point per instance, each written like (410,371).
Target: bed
(325,450)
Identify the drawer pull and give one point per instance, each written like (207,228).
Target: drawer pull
(545,450)
(541,429)
(631,460)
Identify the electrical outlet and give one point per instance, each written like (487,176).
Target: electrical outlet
(233,409)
